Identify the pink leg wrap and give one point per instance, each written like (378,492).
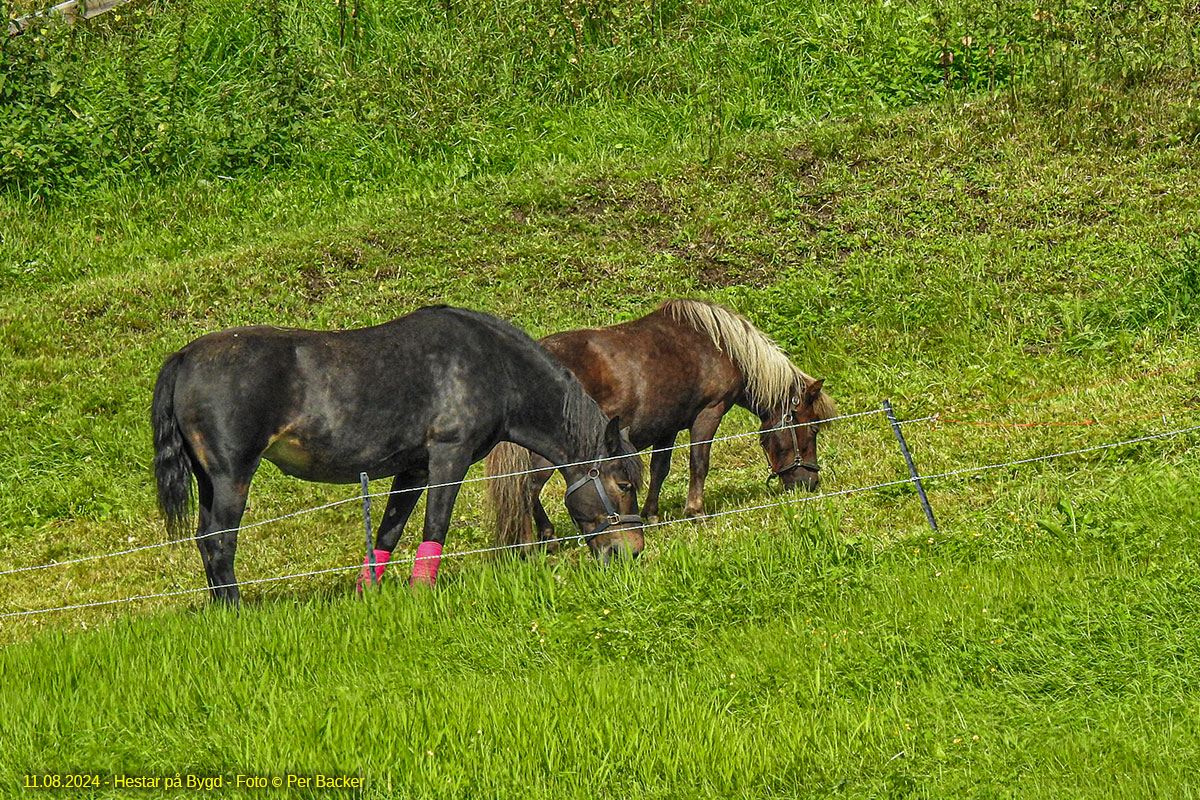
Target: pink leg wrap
(424,572)
(364,577)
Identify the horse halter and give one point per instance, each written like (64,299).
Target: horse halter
(789,420)
(612,516)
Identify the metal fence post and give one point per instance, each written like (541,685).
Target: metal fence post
(912,468)
(366,498)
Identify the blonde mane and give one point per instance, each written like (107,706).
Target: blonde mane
(772,380)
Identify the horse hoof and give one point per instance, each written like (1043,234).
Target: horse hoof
(548,542)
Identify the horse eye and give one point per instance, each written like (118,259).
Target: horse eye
(625,488)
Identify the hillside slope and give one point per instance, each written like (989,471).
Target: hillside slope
(1027,270)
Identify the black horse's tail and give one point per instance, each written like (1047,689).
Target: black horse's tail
(172,464)
(509,496)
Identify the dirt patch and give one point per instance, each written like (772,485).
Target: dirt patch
(319,278)
(717,262)
(386,244)
(604,199)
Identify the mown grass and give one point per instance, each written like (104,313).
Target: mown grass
(936,262)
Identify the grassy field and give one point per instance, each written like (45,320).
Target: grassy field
(1021,252)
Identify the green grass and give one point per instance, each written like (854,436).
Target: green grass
(157,131)
(902,259)
(983,248)
(794,663)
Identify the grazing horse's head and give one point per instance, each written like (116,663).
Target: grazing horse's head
(603,500)
(789,437)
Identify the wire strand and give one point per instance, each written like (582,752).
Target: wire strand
(169,542)
(576,537)
(357,498)
(1071,389)
(1066,423)
(390,492)
(924,478)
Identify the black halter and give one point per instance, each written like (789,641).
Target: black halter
(612,518)
(789,420)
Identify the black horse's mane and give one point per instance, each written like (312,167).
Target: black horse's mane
(584,421)
(578,410)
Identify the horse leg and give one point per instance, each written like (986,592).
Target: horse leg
(401,502)
(541,520)
(448,465)
(660,465)
(702,431)
(217,534)
(204,491)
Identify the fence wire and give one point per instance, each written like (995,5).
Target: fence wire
(359,497)
(791,501)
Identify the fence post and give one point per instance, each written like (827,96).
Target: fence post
(366,497)
(912,468)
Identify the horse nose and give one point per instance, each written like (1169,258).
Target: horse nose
(618,551)
(806,477)
(624,544)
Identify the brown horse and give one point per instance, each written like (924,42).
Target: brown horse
(681,367)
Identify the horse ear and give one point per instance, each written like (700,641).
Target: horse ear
(813,391)
(612,437)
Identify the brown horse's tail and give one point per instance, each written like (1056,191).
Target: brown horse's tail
(509,496)
(172,464)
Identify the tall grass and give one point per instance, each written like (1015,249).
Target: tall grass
(786,664)
(170,128)
(358,95)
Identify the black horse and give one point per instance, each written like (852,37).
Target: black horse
(420,398)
